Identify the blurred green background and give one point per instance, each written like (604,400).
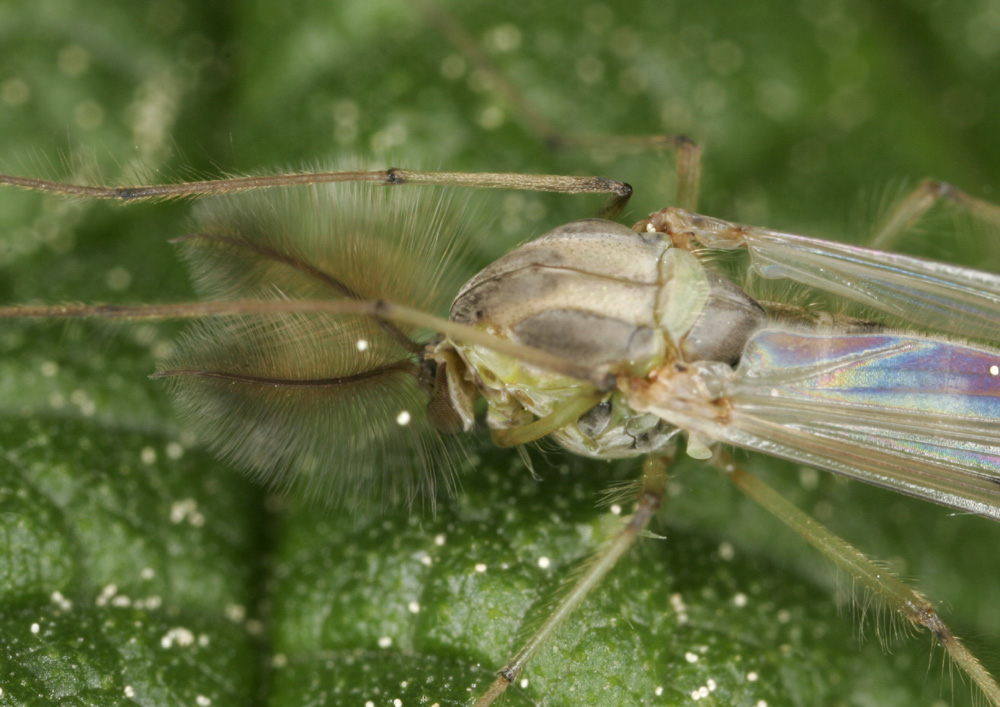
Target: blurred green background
(136,569)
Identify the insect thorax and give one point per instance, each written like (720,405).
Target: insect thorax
(605,297)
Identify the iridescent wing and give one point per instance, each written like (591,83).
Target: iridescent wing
(915,414)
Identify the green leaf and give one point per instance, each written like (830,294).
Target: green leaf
(137,569)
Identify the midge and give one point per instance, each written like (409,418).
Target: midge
(616,341)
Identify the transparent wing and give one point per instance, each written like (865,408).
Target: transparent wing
(915,414)
(918,415)
(941,297)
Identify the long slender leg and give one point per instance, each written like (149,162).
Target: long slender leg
(619,191)
(650,499)
(688,154)
(688,174)
(377,309)
(905,601)
(919,201)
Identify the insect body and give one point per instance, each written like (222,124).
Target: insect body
(690,351)
(607,297)
(617,341)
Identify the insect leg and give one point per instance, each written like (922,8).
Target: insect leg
(619,191)
(513,436)
(650,498)
(919,201)
(905,601)
(377,309)
(688,154)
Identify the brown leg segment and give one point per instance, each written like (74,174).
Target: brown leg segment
(919,201)
(886,587)
(687,152)
(376,309)
(650,499)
